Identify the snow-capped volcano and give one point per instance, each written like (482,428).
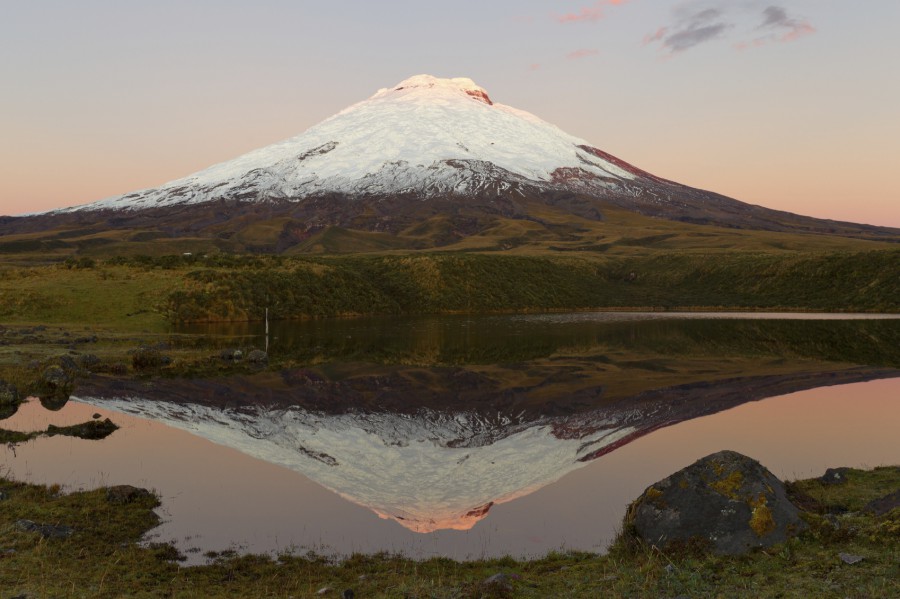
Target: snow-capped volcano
(428,162)
(425,135)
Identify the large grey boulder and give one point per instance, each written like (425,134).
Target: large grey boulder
(725,502)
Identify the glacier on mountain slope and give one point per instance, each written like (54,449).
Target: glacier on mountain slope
(425,135)
(427,471)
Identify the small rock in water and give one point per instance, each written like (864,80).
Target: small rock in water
(348,594)
(96,416)
(92,429)
(323,591)
(848,558)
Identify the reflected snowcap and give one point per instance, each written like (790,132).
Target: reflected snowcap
(429,469)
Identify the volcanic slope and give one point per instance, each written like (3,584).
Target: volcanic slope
(423,164)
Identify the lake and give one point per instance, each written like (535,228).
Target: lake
(470,437)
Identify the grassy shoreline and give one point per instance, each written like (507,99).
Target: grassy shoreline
(102,558)
(153,293)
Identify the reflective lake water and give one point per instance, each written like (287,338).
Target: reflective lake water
(471,437)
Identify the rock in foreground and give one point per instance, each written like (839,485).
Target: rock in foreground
(123,494)
(725,502)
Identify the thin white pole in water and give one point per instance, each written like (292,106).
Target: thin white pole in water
(267,330)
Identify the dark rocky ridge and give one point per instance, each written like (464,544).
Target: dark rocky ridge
(460,217)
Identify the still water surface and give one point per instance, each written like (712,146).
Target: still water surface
(476,437)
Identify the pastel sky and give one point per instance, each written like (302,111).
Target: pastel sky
(791,104)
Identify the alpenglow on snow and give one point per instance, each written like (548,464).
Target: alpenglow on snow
(425,136)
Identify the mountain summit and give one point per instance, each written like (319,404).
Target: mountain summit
(425,136)
(426,163)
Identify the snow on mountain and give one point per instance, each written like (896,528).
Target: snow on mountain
(427,471)
(426,135)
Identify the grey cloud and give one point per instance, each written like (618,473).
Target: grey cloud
(688,38)
(707,15)
(775,16)
(784,27)
(700,21)
(695,27)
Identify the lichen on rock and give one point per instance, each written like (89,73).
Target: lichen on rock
(726,501)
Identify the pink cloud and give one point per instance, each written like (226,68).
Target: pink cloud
(799,30)
(751,44)
(535,66)
(785,28)
(796,30)
(655,37)
(589,14)
(582,53)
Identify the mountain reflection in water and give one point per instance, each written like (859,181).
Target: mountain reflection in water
(434,470)
(432,422)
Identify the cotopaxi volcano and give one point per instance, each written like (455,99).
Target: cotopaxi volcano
(429,160)
(426,137)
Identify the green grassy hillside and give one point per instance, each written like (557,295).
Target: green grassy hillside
(144,292)
(471,282)
(539,229)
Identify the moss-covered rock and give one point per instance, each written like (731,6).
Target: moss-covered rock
(726,502)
